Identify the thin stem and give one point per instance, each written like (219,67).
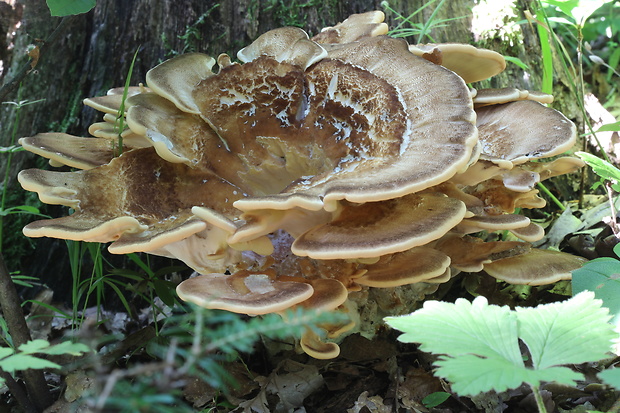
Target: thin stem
(553,198)
(36,385)
(539,399)
(429,22)
(18,392)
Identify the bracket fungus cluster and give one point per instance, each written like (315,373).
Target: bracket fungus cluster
(314,168)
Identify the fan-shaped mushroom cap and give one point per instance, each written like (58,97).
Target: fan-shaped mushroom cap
(469,254)
(243,292)
(498,199)
(531,233)
(285,45)
(415,265)
(109,131)
(378,228)
(81,153)
(499,222)
(486,97)
(328,295)
(523,130)
(392,166)
(480,171)
(560,166)
(537,267)
(312,344)
(448,188)
(470,63)
(354,28)
(176,78)
(520,180)
(112,102)
(341,146)
(155,210)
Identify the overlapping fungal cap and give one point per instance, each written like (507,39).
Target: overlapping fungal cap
(312,169)
(471,63)
(356,27)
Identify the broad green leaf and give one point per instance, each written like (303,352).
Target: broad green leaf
(21,209)
(566,6)
(517,62)
(33,346)
(435,399)
(165,291)
(44,347)
(569,332)
(579,10)
(24,362)
(62,8)
(462,328)
(66,347)
(602,277)
(602,168)
(5,352)
(610,127)
(611,377)
(468,335)
(471,375)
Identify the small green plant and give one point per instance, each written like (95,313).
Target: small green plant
(479,349)
(195,343)
(119,124)
(27,355)
(606,171)
(10,151)
(407,27)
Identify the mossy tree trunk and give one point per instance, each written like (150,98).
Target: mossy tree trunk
(95,51)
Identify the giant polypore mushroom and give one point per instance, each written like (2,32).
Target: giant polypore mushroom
(313,168)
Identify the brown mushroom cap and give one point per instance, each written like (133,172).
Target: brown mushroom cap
(176,78)
(415,265)
(499,222)
(285,45)
(378,228)
(312,344)
(560,166)
(514,131)
(354,28)
(498,199)
(156,208)
(531,233)
(520,180)
(74,151)
(243,292)
(469,254)
(470,63)
(355,154)
(111,103)
(480,171)
(536,267)
(328,295)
